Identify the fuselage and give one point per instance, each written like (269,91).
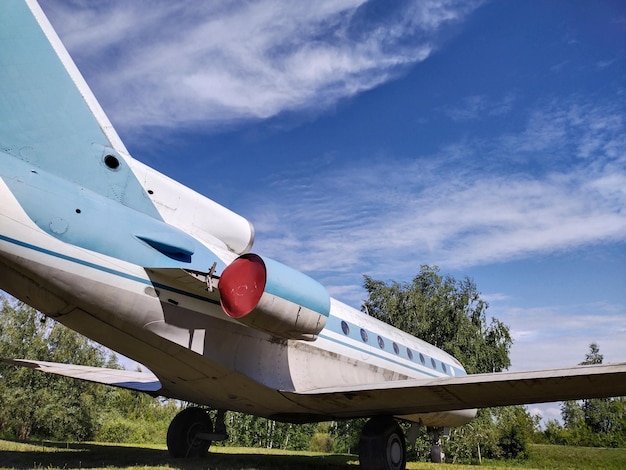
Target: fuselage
(113,296)
(130,258)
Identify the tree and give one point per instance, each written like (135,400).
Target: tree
(39,404)
(592,422)
(495,433)
(252,431)
(451,315)
(515,429)
(61,408)
(445,312)
(593,356)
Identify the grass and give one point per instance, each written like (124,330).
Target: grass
(53,455)
(566,457)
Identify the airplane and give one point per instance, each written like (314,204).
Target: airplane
(155,271)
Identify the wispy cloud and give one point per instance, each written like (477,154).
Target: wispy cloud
(556,184)
(537,330)
(480,106)
(182,63)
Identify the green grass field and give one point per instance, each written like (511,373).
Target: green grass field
(49,455)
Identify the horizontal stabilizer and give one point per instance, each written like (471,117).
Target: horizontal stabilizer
(140,381)
(409,397)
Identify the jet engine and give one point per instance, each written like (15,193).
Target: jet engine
(269,296)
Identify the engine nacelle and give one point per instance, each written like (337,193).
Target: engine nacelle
(269,296)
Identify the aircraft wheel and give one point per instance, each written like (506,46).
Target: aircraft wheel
(382,445)
(182,433)
(436,456)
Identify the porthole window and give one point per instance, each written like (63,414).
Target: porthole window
(409,353)
(381,343)
(364,335)
(111,162)
(345,328)
(396,348)
(422,360)
(434,364)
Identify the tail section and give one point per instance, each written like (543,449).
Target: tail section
(50,118)
(60,156)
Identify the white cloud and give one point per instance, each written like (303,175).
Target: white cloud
(184,63)
(381,217)
(478,106)
(537,334)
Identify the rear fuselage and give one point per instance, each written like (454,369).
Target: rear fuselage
(182,335)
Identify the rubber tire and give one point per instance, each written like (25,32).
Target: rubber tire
(181,434)
(436,456)
(382,445)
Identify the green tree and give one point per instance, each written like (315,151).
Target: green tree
(593,356)
(515,429)
(592,422)
(451,315)
(495,433)
(445,312)
(252,431)
(32,403)
(346,434)
(135,417)
(554,433)
(53,407)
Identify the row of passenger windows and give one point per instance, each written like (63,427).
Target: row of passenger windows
(381,343)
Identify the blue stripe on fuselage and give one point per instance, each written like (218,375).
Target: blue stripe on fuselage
(104,269)
(333,324)
(81,217)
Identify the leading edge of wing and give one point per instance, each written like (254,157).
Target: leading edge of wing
(139,381)
(469,391)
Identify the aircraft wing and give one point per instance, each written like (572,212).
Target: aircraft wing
(470,391)
(140,381)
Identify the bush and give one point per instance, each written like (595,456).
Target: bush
(117,430)
(121,429)
(321,442)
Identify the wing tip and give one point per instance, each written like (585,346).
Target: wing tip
(139,381)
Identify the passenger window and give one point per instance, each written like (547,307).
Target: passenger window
(364,335)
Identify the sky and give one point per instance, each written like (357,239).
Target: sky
(373,137)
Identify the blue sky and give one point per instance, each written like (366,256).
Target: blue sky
(488,138)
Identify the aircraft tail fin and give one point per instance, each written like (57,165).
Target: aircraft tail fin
(50,118)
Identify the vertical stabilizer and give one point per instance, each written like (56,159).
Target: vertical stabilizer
(79,82)
(50,118)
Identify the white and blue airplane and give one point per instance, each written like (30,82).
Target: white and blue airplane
(157,272)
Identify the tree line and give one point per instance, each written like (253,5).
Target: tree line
(597,422)
(442,310)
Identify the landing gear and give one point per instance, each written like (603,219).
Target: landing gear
(382,445)
(191,432)
(436,455)
(182,435)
